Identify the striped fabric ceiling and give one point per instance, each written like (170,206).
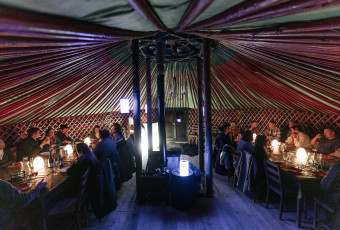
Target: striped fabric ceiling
(63,58)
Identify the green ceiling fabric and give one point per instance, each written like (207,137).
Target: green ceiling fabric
(68,58)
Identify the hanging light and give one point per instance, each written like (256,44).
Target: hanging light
(146,108)
(87,141)
(184,168)
(130,121)
(68,149)
(124,106)
(38,163)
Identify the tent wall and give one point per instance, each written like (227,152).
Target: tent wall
(80,126)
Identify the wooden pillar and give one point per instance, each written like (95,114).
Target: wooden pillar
(207,111)
(200,114)
(149,103)
(136,107)
(161,105)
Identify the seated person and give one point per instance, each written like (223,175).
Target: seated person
(6,155)
(253,127)
(30,146)
(95,134)
(273,132)
(298,138)
(330,187)
(63,135)
(260,154)
(85,159)
(11,200)
(54,140)
(245,143)
(107,148)
(234,130)
(287,131)
(328,144)
(221,138)
(125,154)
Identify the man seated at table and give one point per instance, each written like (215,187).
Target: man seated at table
(273,132)
(287,131)
(298,138)
(6,155)
(253,127)
(30,146)
(328,144)
(11,200)
(63,135)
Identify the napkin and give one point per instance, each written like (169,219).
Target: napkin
(15,165)
(294,170)
(23,186)
(326,157)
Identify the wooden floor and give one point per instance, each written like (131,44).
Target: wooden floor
(228,209)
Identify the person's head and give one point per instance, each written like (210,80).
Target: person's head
(261,141)
(84,151)
(291,124)
(118,134)
(226,128)
(63,129)
(253,124)
(96,129)
(271,124)
(248,136)
(34,132)
(104,133)
(2,144)
(297,129)
(329,133)
(49,132)
(233,124)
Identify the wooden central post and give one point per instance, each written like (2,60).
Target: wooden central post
(136,107)
(207,111)
(200,114)
(161,105)
(149,103)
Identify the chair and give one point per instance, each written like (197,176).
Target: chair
(326,206)
(274,183)
(70,206)
(236,160)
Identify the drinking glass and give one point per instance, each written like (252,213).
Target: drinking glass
(284,156)
(56,166)
(289,154)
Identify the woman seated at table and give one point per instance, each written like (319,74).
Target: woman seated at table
(86,159)
(95,134)
(11,200)
(245,143)
(54,140)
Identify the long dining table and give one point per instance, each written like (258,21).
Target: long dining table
(56,183)
(305,181)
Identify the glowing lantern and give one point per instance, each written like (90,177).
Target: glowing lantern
(68,149)
(184,168)
(146,108)
(87,141)
(38,163)
(275,145)
(124,106)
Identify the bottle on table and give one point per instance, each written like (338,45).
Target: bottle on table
(50,160)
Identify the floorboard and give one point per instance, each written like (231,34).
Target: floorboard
(229,209)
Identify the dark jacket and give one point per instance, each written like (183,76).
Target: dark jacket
(126,160)
(246,174)
(107,148)
(62,137)
(53,141)
(28,148)
(103,194)
(76,171)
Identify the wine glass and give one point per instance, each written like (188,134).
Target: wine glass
(289,154)
(284,156)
